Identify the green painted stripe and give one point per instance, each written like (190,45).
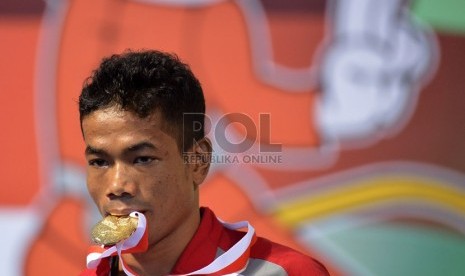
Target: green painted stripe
(442,15)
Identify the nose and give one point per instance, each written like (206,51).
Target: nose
(121,183)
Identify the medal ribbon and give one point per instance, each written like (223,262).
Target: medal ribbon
(235,259)
(231,262)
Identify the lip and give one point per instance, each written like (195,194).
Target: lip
(122,212)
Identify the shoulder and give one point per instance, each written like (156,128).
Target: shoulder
(270,258)
(291,261)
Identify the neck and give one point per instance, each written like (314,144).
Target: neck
(162,255)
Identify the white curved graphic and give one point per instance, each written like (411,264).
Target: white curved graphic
(373,67)
(22,225)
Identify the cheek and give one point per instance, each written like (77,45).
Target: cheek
(94,189)
(158,186)
(162,189)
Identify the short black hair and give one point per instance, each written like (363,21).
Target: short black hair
(144,82)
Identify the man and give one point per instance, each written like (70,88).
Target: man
(137,139)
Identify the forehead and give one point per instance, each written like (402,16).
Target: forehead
(118,116)
(115,125)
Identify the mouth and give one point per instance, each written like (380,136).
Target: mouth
(122,212)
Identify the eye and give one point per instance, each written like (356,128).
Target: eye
(98,162)
(143,160)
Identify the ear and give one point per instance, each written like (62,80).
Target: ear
(201,159)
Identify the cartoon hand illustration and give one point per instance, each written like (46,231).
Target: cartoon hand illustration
(371,71)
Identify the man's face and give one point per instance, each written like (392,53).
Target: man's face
(134,165)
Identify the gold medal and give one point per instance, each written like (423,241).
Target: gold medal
(113,229)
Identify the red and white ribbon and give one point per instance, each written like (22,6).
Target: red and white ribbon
(235,259)
(231,262)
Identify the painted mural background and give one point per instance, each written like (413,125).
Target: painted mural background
(365,99)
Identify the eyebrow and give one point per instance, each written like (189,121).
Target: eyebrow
(141,146)
(91,150)
(133,148)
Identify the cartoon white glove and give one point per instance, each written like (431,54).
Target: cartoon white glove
(371,71)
